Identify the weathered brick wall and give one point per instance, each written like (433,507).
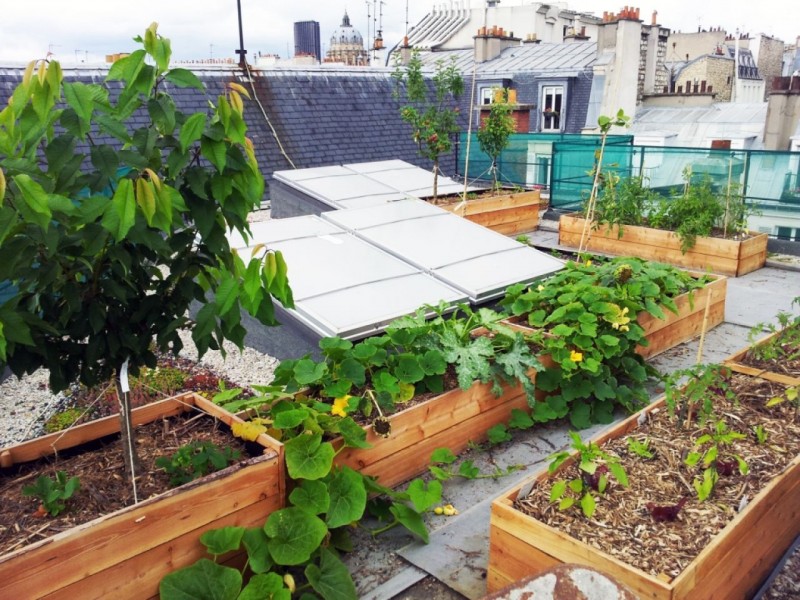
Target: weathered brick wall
(716,71)
(770,61)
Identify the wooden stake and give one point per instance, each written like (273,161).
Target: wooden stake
(704,327)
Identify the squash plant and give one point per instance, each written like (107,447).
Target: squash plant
(589,312)
(115,209)
(413,357)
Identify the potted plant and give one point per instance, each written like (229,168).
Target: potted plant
(628,218)
(433,121)
(693,497)
(777,355)
(389,401)
(126,551)
(600,317)
(107,248)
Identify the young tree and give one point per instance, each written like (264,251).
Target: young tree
(495,132)
(114,208)
(434,122)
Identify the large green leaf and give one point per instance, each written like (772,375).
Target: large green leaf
(121,212)
(424,496)
(348,497)
(80,97)
(256,543)
(331,579)
(214,151)
(267,586)
(410,519)
(307,457)
(312,496)
(204,580)
(184,78)
(35,207)
(220,541)
(294,535)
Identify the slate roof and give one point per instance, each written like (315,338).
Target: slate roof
(694,126)
(550,58)
(321,115)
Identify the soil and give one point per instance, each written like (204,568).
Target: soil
(99,465)
(622,525)
(788,357)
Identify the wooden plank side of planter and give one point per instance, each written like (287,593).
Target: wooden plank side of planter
(735,363)
(507,522)
(749,546)
(48,445)
(719,255)
(507,214)
(138,577)
(663,334)
(752,254)
(106,542)
(451,419)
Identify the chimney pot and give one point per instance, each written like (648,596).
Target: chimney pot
(654,20)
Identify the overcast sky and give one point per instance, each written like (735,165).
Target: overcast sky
(199,29)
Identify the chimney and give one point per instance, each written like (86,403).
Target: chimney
(654,19)
(492,44)
(405,52)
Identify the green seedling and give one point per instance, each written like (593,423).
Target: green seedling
(53,494)
(195,460)
(594,466)
(640,448)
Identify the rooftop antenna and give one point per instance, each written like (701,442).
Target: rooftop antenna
(374,26)
(368,17)
(241,51)
(406,18)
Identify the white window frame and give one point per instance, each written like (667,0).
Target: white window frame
(553,97)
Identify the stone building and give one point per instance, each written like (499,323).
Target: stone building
(347,45)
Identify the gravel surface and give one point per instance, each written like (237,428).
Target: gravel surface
(25,404)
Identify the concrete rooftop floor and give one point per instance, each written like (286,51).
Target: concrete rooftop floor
(453,564)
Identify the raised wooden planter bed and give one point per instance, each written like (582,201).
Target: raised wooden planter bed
(736,363)
(727,257)
(125,554)
(451,420)
(731,566)
(674,329)
(507,214)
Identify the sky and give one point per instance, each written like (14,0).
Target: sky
(87,30)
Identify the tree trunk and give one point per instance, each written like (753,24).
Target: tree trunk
(435,179)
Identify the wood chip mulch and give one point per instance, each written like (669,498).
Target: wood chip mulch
(100,469)
(623,527)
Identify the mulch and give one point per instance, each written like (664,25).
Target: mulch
(623,527)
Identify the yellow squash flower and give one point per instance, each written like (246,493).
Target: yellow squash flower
(576,356)
(339,406)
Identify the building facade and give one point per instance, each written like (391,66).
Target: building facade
(347,45)
(307,39)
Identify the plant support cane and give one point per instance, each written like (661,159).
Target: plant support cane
(126,427)
(605,123)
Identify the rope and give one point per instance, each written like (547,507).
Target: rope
(266,118)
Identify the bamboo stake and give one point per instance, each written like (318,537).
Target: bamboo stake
(728,199)
(469,138)
(704,327)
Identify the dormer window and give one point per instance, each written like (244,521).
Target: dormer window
(552,107)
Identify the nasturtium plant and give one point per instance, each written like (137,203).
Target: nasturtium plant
(115,210)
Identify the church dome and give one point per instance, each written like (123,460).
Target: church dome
(346,34)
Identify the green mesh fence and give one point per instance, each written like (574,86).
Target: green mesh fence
(526,161)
